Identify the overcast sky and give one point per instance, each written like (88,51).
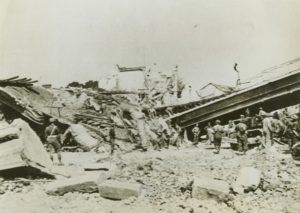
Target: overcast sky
(59,41)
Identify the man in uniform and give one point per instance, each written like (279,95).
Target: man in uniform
(241,136)
(196,132)
(218,133)
(180,132)
(210,134)
(247,113)
(291,132)
(152,112)
(112,137)
(268,129)
(165,139)
(230,129)
(53,139)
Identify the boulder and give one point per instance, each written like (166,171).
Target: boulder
(207,188)
(85,184)
(117,190)
(248,180)
(82,137)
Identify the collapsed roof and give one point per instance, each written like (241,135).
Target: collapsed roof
(32,102)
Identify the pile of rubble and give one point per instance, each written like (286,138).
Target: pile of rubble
(168,180)
(185,180)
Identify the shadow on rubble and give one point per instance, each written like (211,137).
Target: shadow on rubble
(212,147)
(24,172)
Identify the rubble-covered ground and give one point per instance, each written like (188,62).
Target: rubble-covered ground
(164,176)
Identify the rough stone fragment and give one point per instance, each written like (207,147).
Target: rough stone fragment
(248,180)
(207,188)
(86,184)
(117,190)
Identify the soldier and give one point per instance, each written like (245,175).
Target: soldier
(268,129)
(247,113)
(112,137)
(87,103)
(180,132)
(210,135)
(262,113)
(165,138)
(278,125)
(230,130)
(196,132)
(291,130)
(53,138)
(152,112)
(241,136)
(103,108)
(218,132)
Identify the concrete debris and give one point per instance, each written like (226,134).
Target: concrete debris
(81,136)
(207,188)
(85,184)
(248,180)
(109,127)
(26,150)
(117,190)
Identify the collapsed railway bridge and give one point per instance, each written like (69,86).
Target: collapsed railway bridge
(271,94)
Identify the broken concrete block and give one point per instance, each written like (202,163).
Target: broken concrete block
(207,188)
(117,190)
(82,137)
(86,184)
(248,180)
(25,150)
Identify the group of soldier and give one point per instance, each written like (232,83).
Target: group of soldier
(280,124)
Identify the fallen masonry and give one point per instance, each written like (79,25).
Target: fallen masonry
(248,180)
(117,190)
(207,188)
(110,127)
(85,184)
(23,150)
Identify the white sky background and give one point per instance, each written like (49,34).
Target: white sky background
(59,41)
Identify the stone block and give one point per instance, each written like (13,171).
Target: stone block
(117,190)
(248,180)
(207,188)
(85,184)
